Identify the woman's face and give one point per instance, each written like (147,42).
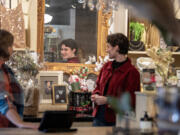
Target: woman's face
(67,52)
(10,52)
(112,51)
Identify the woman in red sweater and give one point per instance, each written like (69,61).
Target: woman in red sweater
(115,77)
(68,51)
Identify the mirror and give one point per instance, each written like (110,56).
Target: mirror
(76,26)
(101,23)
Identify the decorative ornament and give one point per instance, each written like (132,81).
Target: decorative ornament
(145,63)
(101,62)
(91,60)
(136,46)
(106,5)
(162,59)
(12,20)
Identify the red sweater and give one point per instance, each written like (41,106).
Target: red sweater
(73,60)
(125,78)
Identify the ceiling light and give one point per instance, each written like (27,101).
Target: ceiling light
(73,6)
(47,5)
(47,18)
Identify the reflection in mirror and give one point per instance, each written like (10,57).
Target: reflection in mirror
(69,20)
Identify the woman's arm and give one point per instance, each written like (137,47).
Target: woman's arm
(14,117)
(9,110)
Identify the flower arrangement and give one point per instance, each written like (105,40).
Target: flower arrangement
(26,67)
(162,58)
(78,79)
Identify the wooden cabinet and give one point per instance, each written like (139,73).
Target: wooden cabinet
(145,102)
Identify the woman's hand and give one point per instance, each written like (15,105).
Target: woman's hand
(99,100)
(93,97)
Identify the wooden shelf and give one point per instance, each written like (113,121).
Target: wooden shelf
(134,55)
(137,52)
(144,53)
(176,53)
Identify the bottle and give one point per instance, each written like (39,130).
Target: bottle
(146,123)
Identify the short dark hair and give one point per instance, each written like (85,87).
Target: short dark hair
(119,39)
(71,43)
(6,40)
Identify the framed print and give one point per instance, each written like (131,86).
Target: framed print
(46,80)
(148,80)
(60,94)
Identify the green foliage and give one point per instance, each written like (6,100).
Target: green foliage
(24,63)
(121,105)
(75,86)
(136,31)
(85,103)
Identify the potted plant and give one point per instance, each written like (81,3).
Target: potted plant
(136,32)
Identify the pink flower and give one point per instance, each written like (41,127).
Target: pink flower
(73,78)
(77,80)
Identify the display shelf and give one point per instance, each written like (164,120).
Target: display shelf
(137,52)
(144,53)
(134,55)
(176,53)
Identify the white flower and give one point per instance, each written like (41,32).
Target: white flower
(90,84)
(74,78)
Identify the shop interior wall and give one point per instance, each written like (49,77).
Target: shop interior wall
(118,23)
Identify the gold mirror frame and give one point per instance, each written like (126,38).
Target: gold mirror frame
(103,27)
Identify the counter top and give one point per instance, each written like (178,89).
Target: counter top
(146,93)
(79,118)
(84,131)
(80,131)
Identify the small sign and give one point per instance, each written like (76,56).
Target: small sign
(60,94)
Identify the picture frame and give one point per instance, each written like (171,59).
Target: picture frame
(46,80)
(148,80)
(60,94)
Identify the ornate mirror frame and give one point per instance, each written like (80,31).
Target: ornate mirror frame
(103,26)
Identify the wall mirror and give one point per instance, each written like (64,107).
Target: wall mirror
(70,20)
